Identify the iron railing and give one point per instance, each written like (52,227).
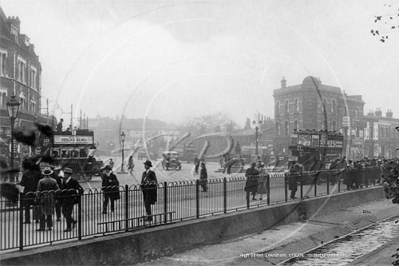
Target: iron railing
(176,201)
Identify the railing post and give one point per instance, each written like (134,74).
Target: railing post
(247,198)
(127,207)
(225,194)
(339,181)
(328,182)
(301,175)
(165,201)
(21,221)
(315,181)
(197,197)
(80,216)
(375,174)
(286,186)
(268,189)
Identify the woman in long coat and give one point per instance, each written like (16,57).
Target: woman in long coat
(251,186)
(262,180)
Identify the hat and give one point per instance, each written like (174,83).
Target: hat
(68,170)
(57,168)
(47,171)
(253,164)
(107,167)
(148,163)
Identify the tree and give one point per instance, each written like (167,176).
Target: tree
(386,23)
(201,125)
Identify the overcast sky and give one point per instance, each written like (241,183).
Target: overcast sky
(171,59)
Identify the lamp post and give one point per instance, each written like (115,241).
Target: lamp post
(13,108)
(123,148)
(257,122)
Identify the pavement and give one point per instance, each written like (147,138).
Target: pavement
(273,246)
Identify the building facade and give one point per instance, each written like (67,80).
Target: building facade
(20,75)
(315,106)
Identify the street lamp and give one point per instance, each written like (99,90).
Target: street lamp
(123,147)
(257,122)
(13,108)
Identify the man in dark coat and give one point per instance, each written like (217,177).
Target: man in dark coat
(293,175)
(29,181)
(70,195)
(204,178)
(110,186)
(149,188)
(251,186)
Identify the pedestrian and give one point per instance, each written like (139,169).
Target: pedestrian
(58,177)
(130,164)
(262,181)
(70,195)
(30,178)
(149,186)
(251,186)
(196,164)
(204,178)
(46,190)
(293,176)
(110,187)
(59,125)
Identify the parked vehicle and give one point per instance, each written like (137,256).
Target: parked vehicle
(171,160)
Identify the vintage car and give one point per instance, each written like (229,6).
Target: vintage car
(171,160)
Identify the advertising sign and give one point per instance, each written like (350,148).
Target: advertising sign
(73,139)
(294,139)
(367,131)
(304,140)
(346,121)
(315,140)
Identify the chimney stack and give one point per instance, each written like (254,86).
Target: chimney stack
(389,113)
(378,112)
(370,113)
(283,83)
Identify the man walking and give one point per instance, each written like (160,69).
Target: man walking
(251,186)
(110,186)
(70,195)
(149,188)
(204,178)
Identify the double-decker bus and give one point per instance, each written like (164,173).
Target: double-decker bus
(315,149)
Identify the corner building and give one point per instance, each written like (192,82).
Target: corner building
(313,105)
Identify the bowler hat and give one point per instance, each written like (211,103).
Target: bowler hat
(47,171)
(68,170)
(148,163)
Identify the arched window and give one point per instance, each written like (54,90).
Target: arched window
(278,129)
(278,108)
(333,107)
(287,107)
(357,114)
(287,128)
(296,106)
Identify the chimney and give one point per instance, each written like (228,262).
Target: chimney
(389,113)
(370,113)
(15,22)
(283,83)
(378,112)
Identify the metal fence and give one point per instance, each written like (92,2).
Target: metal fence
(176,201)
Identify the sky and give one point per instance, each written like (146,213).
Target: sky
(169,60)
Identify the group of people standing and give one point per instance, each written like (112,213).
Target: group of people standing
(48,191)
(257,180)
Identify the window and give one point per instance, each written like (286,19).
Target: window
(3,98)
(33,77)
(287,107)
(323,105)
(334,126)
(295,124)
(357,114)
(3,62)
(296,107)
(333,107)
(278,108)
(287,128)
(278,129)
(323,124)
(21,70)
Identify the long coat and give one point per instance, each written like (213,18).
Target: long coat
(47,186)
(252,180)
(110,186)
(70,192)
(29,181)
(262,181)
(149,186)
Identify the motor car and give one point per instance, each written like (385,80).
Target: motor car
(171,160)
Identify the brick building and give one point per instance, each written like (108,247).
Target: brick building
(313,105)
(20,75)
